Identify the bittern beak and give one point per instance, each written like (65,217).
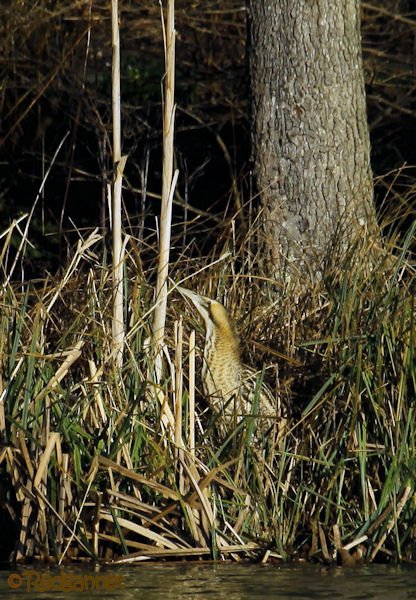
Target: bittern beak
(201,303)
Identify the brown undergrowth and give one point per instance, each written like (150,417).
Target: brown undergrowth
(102,463)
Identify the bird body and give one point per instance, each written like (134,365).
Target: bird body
(221,369)
(229,385)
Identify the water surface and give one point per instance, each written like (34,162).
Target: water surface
(200,580)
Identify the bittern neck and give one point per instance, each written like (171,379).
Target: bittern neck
(224,342)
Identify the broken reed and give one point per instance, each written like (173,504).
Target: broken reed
(112,466)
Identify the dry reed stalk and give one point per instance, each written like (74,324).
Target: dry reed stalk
(72,531)
(82,251)
(244,513)
(186,552)
(66,479)
(64,499)
(89,410)
(119,163)
(149,534)
(43,537)
(406,495)
(51,444)
(207,513)
(167,416)
(194,525)
(178,333)
(149,511)
(72,356)
(324,545)
(96,523)
(40,489)
(161,553)
(26,456)
(356,542)
(8,233)
(191,394)
(113,539)
(168,187)
(94,379)
(26,542)
(25,240)
(105,463)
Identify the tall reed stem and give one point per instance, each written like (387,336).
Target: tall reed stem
(168,185)
(119,164)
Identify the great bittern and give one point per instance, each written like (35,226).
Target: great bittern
(229,385)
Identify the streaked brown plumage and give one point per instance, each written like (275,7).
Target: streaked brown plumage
(229,385)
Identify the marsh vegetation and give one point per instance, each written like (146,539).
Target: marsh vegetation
(102,459)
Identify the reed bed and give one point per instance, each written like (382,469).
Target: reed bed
(109,465)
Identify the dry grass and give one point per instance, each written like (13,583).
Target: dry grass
(112,466)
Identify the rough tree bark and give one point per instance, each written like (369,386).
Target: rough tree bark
(310,134)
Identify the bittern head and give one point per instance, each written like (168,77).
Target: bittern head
(214,314)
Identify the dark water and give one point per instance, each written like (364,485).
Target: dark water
(219,581)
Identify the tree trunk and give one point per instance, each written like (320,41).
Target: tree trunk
(310,134)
